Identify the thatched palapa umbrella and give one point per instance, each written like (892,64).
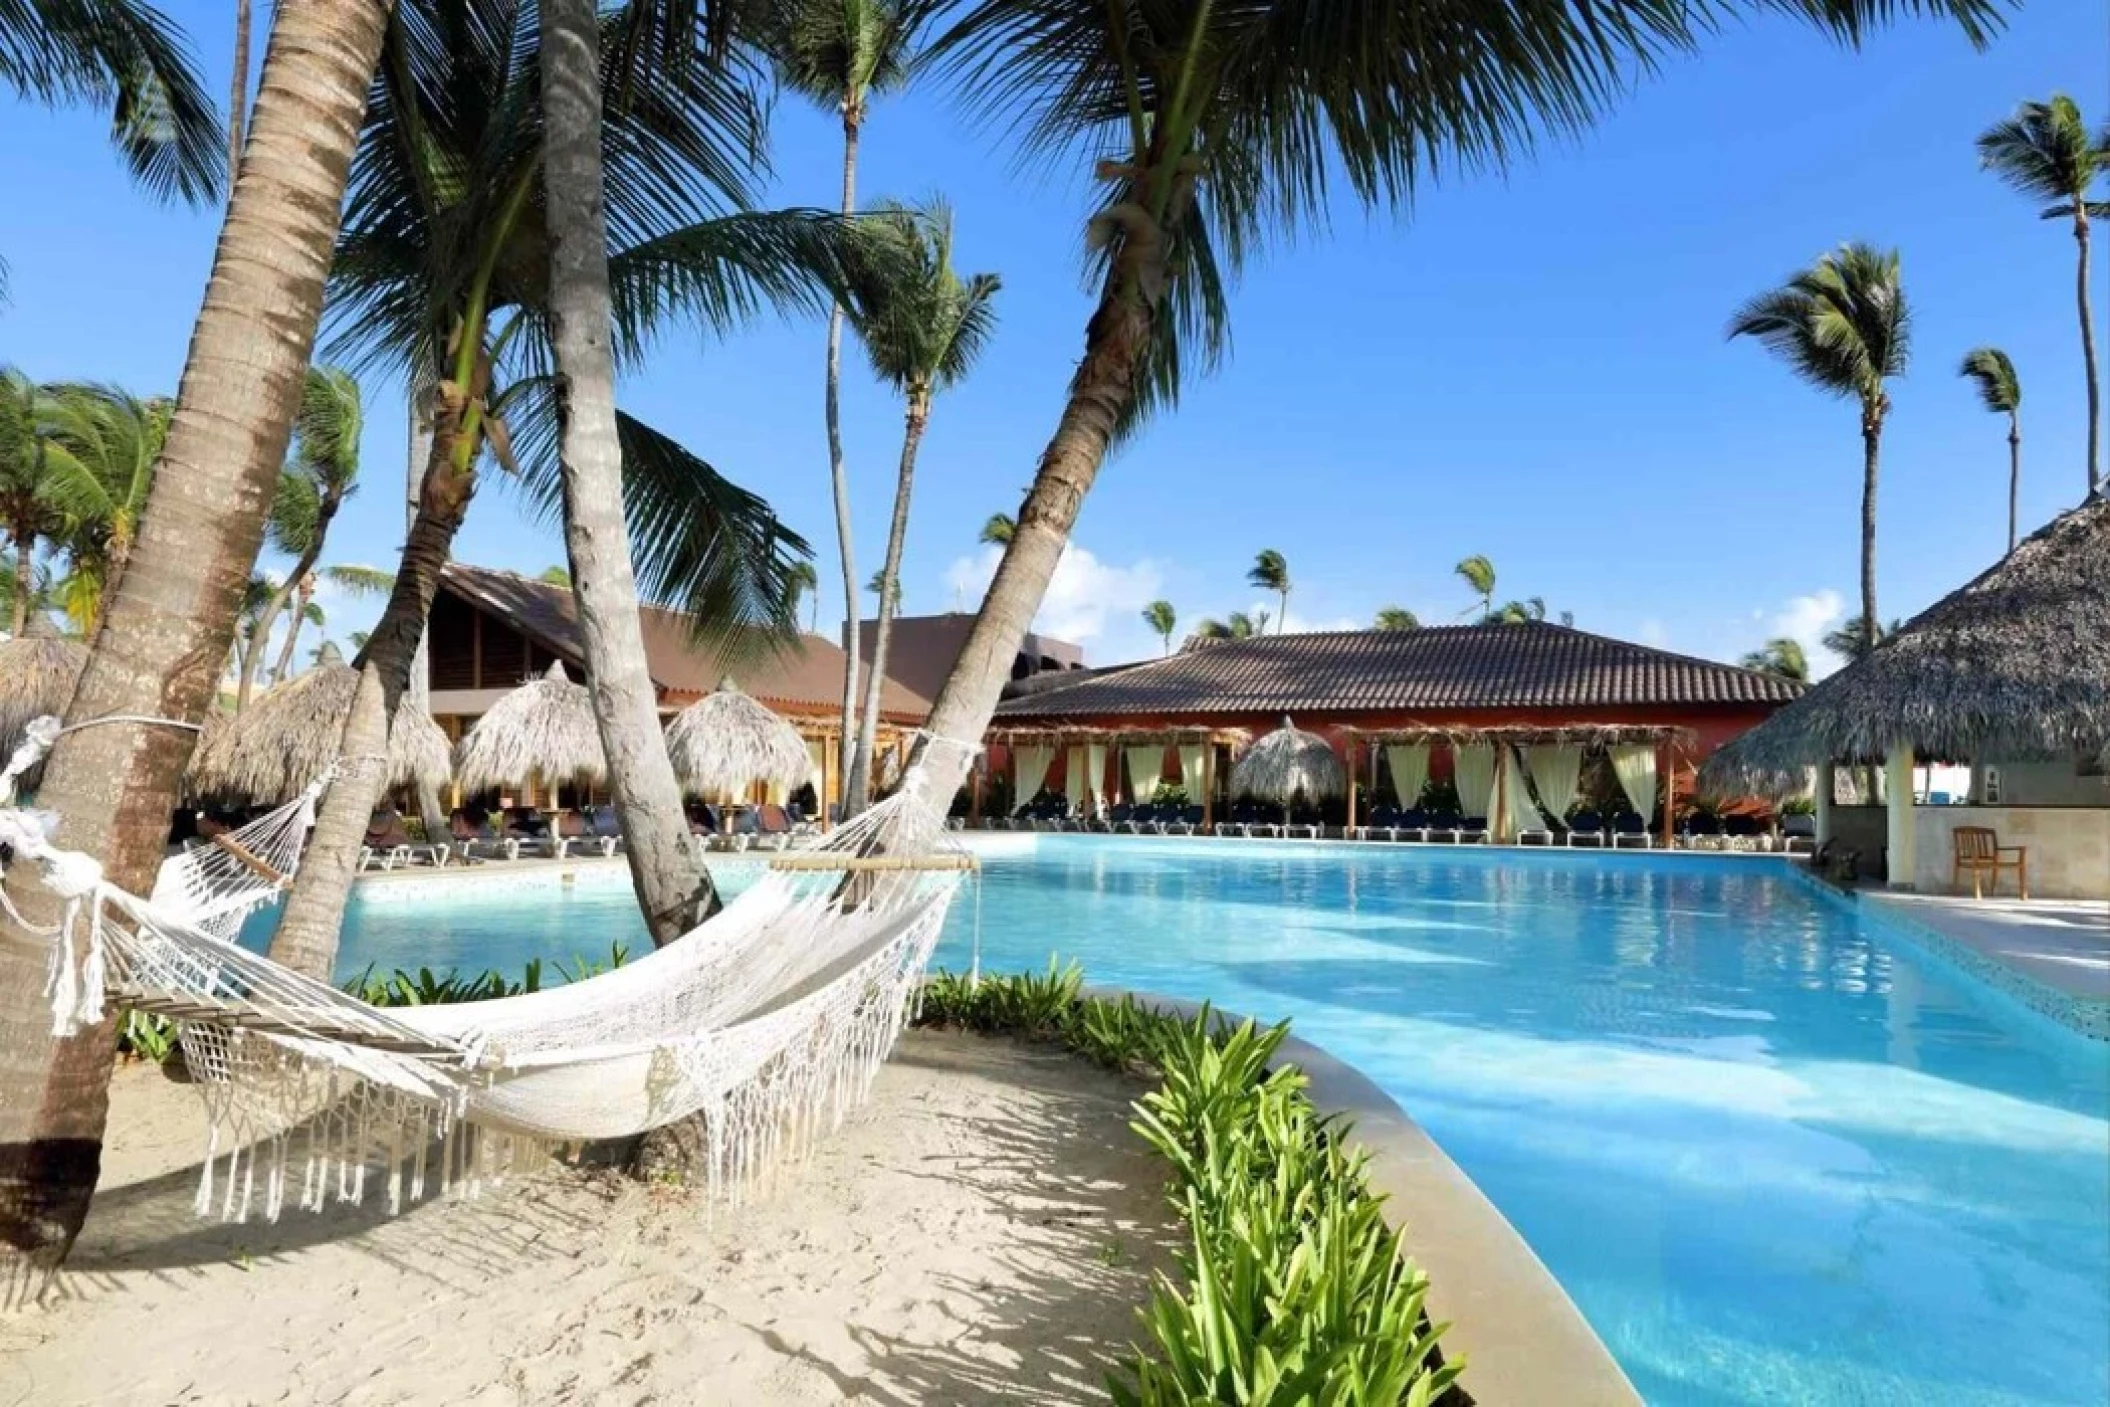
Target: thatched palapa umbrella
(1287,763)
(289,735)
(2014,665)
(544,729)
(725,742)
(37,673)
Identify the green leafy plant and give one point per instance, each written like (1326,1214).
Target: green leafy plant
(145,1037)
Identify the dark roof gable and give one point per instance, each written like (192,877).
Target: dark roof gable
(1525,665)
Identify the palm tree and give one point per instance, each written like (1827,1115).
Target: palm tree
(1214,130)
(104,443)
(237,89)
(306,611)
(2046,152)
(1162,620)
(882,589)
(1989,369)
(123,54)
(555,576)
(27,513)
(840,54)
(1843,326)
(922,326)
(999,529)
(323,473)
(171,624)
(1236,626)
(359,581)
(1395,618)
(1852,639)
(1517,612)
(1478,573)
(805,585)
(1782,656)
(1270,572)
(444,270)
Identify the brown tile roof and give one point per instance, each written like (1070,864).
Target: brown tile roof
(1535,666)
(803,678)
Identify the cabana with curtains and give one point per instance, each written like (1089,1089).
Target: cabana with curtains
(1093,767)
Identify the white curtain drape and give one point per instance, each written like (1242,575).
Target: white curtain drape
(1516,814)
(1146,768)
(1032,760)
(817,752)
(1410,770)
(1474,766)
(1556,770)
(1635,766)
(1191,772)
(1076,778)
(1095,774)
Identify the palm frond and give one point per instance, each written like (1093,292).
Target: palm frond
(360,580)
(2045,151)
(826,50)
(328,426)
(1990,371)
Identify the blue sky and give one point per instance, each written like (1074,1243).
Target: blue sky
(1532,367)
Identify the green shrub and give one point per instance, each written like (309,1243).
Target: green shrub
(1293,1288)
(145,1037)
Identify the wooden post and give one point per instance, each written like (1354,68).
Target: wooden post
(828,780)
(1209,784)
(1827,784)
(1670,793)
(974,791)
(1349,829)
(1494,822)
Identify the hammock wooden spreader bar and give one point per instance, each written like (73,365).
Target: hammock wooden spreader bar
(249,859)
(197,1006)
(827,860)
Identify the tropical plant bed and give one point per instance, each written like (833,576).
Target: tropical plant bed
(1293,1287)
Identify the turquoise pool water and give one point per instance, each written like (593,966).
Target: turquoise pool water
(1774,1153)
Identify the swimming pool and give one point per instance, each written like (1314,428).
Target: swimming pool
(1775,1153)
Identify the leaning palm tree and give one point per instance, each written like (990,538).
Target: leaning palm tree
(840,54)
(1270,572)
(444,271)
(1989,369)
(1843,326)
(323,473)
(103,445)
(922,326)
(998,530)
(1532,608)
(1851,639)
(1478,573)
(1782,656)
(1396,618)
(171,624)
(307,611)
(804,585)
(2046,152)
(27,514)
(1162,620)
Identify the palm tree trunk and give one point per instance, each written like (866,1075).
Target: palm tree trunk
(430,811)
(307,934)
(25,571)
(860,787)
(173,621)
(304,589)
(839,476)
(1103,387)
(237,93)
(2095,385)
(2014,477)
(254,640)
(1282,624)
(1871,452)
(666,868)
(298,580)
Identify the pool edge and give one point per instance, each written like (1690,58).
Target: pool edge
(1523,1337)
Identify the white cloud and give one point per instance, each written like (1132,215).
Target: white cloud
(1804,620)
(1089,602)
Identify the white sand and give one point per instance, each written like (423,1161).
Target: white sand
(984,1231)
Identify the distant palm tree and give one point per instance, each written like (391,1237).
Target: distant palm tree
(555,576)
(359,639)
(27,513)
(804,585)
(307,612)
(104,442)
(1236,626)
(1396,618)
(1517,612)
(1478,573)
(1270,572)
(1782,656)
(999,529)
(1162,620)
(1568,619)
(2046,152)
(877,585)
(1989,369)
(1258,624)
(1843,326)
(1849,641)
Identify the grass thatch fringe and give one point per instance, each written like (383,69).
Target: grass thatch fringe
(290,734)
(37,674)
(725,742)
(1289,762)
(544,729)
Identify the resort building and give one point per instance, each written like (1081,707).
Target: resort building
(494,630)
(1401,707)
(921,650)
(2010,675)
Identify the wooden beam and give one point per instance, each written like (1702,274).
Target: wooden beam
(250,860)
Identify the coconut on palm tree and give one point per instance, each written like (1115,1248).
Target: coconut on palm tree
(922,326)
(1395,618)
(1843,326)
(840,54)
(1270,572)
(2000,390)
(1782,656)
(1162,620)
(2046,152)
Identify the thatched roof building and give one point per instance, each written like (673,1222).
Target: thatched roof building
(725,743)
(37,673)
(289,734)
(2014,665)
(1288,763)
(544,729)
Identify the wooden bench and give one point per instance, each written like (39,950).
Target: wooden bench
(1978,851)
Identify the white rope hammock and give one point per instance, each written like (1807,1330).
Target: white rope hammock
(769,1020)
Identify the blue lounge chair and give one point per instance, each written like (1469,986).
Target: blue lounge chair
(1472,828)
(1629,829)
(1586,827)
(1798,829)
(1139,818)
(1377,821)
